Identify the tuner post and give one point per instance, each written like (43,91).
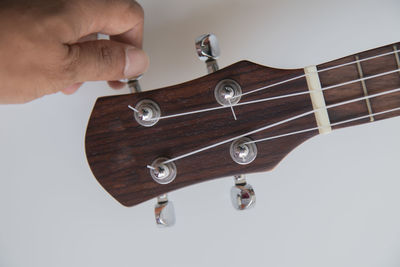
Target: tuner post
(243,196)
(243,151)
(161,172)
(207,48)
(134,85)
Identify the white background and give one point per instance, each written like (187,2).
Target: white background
(334,201)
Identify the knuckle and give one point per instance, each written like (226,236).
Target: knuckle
(139,10)
(108,60)
(71,62)
(135,8)
(105,54)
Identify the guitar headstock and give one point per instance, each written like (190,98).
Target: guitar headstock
(129,149)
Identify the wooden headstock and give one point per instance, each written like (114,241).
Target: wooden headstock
(118,149)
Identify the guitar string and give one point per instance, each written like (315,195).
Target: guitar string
(274,97)
(318,71)
(280,123)
(233,111)
(314,129)
(318,128)
(275,84)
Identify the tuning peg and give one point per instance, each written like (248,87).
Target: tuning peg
(134,85)
(207,48)
(164,212)
(242,194)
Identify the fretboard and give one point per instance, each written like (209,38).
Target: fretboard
(359,70)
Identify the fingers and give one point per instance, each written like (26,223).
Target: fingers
(104,60)
(116,84)
(134,36)
(122,18)
(71,89)
(107,60)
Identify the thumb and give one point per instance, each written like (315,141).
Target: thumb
(105,60)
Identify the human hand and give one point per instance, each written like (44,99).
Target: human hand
(45,45)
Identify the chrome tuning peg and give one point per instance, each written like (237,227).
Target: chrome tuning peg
(207,48)
(242,194)
(164,212)
(134,85)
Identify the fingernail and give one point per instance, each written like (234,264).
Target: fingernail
(136,62)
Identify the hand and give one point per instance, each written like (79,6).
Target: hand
(45,45)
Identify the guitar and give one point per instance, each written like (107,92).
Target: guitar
(244,118)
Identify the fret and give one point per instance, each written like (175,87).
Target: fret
(364,87)
(396,54)
(358,70)
(343,93)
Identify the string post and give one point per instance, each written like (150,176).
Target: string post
(227,92)
(161,172)
(147,112)
(242,151)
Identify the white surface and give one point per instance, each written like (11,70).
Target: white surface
(334,201)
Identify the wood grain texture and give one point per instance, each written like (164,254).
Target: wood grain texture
(118,148)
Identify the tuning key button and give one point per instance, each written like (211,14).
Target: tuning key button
(164,212)
(242,194)
(207,48)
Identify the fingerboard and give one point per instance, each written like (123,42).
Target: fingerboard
(356,71)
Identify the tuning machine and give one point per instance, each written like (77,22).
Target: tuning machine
(164,212)
(242,194)
(207,48)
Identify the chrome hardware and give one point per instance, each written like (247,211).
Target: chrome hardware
(148,113)
(243,151)
(134,85)
(207,48)
(164,212)
(227,92)
(162,173)
(242,194)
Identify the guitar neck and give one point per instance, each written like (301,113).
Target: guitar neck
(373,72)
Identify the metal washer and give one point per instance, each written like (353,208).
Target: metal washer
(250,151)
(149,105)
(220,92)
(169,167)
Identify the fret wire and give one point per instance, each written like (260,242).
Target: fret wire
(396,55)
(364,87)
(279,123)
(361,60)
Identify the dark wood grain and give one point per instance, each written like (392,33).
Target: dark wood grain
(355,90)
(118,148)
